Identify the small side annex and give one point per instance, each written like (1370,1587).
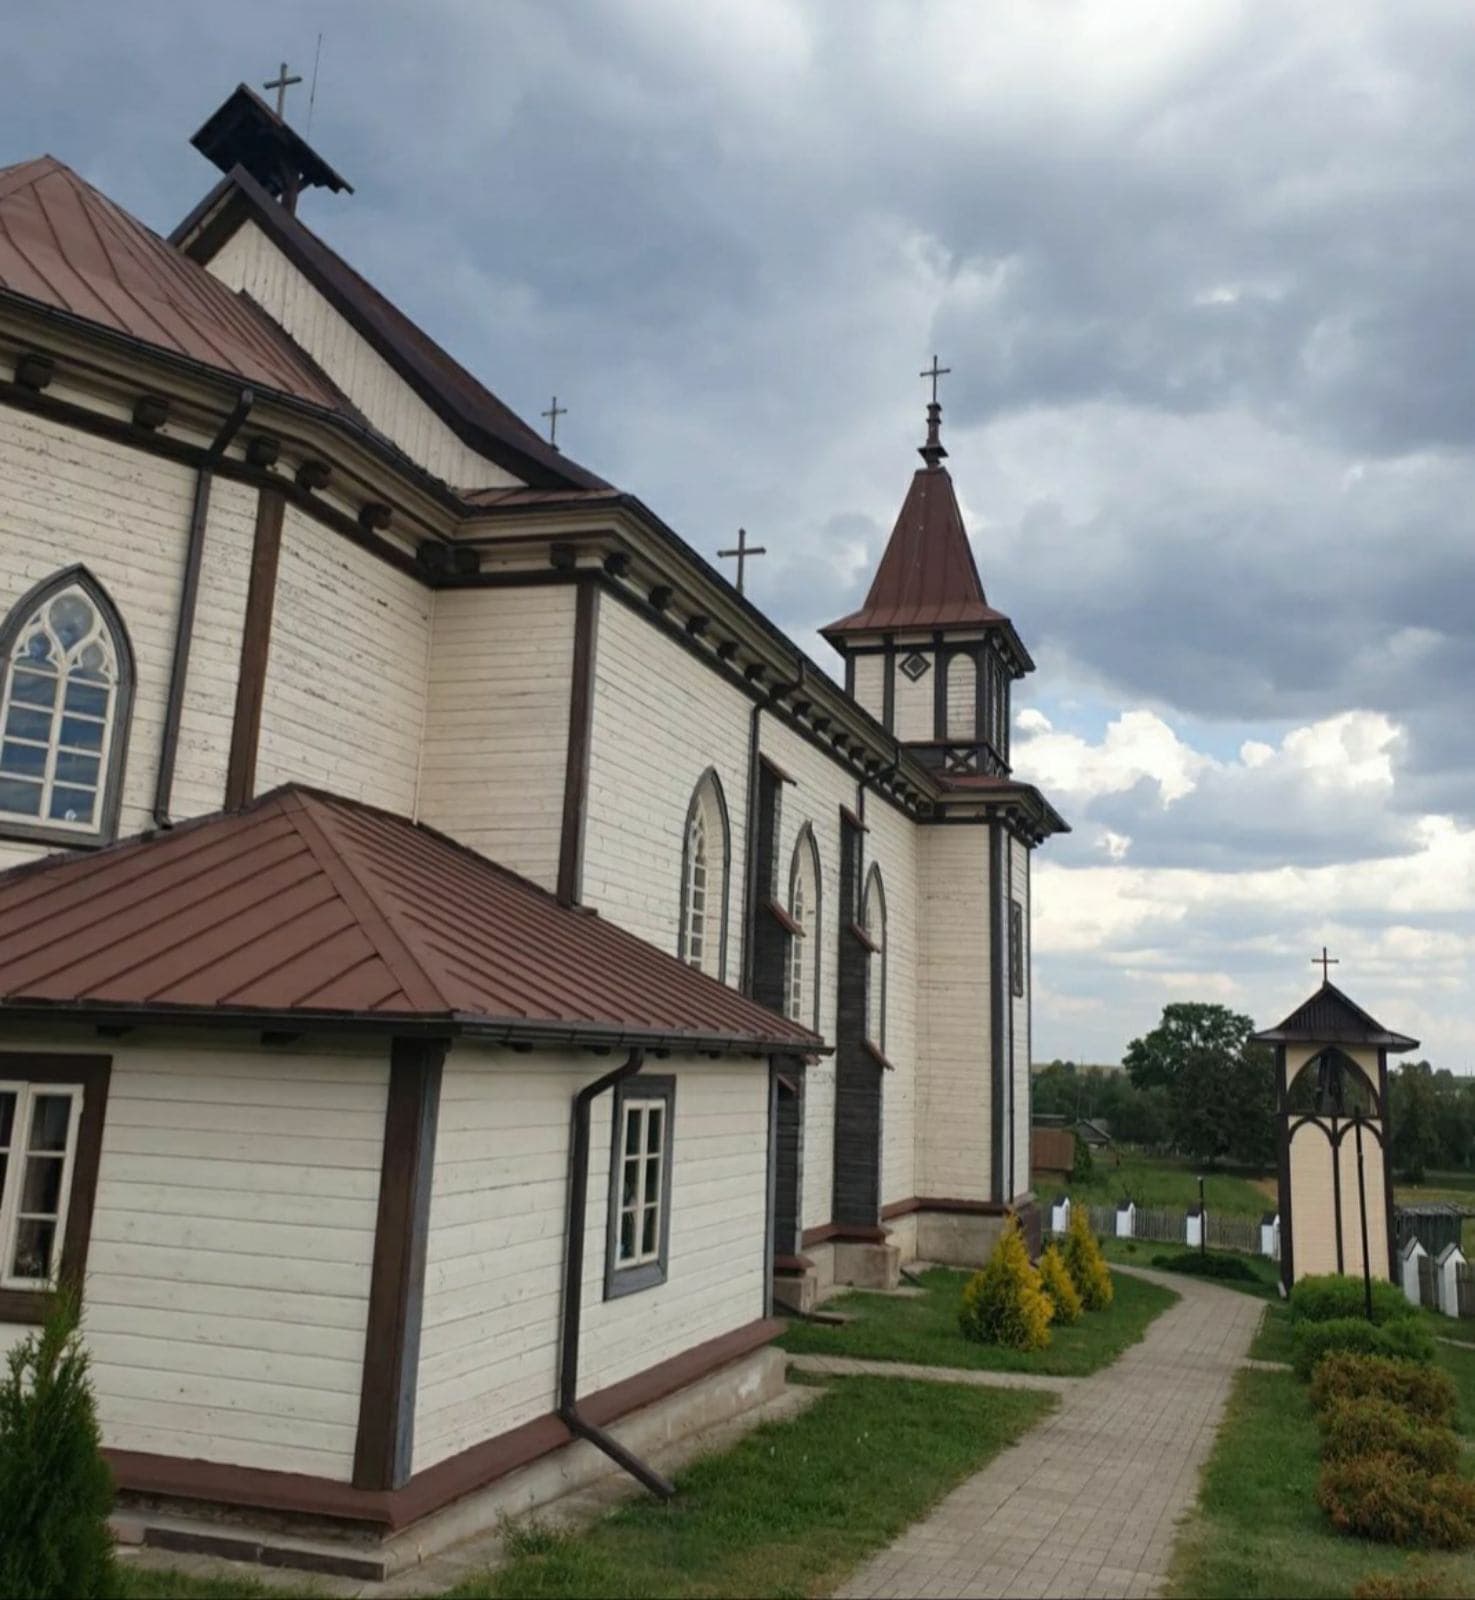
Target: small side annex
(380,1173)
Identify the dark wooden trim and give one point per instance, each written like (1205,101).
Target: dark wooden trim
(266,548)
(93,1073)
(965,1208)
(1283,1170)
(749,957)
(888,685)
(620,1281)
(1336,1191)
(843,1233)
(1387,1166)
(772,766)
(939,688)
(792,1264)
(386,1423)
(580,727)
(110,794)
(722,811)
(998,982)
(178,1477)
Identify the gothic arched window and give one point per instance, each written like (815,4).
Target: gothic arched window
(66,689)
(704,861)
(873,921)
(801,995)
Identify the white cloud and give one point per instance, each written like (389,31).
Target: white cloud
(1137,745)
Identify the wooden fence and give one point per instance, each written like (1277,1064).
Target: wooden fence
(1464,1289)
(1167,1226)
(1227,1232)
(1159,1225)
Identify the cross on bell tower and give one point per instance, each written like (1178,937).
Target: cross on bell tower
(932,452)
(281,83)
(1326,963)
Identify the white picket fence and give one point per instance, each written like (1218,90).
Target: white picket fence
(1163,1225)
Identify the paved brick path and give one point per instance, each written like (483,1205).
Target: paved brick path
(1086,1503)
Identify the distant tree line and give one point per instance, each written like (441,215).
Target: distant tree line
(1198,1086)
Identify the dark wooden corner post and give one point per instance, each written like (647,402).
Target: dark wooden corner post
(266,548)
(1283,1168)
(999,1009)
(386,1427)
(580,725)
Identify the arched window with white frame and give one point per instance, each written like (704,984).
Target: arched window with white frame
(802,987)
(704,873)
(873,920)
(66,691)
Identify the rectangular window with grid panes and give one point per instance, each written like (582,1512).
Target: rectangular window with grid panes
(38,1147)
(640,1185)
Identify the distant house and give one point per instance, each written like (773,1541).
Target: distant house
(1094,1132)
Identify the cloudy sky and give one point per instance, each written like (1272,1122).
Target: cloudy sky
(1205,276)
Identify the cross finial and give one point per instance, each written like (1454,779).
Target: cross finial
(553,413)
(742,552)
(932,452)
(281,83)
(934,372)
(1325,962)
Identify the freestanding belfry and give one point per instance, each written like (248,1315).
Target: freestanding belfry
(1336,1195)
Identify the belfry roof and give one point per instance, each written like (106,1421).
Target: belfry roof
(304,909)
(1329,1017)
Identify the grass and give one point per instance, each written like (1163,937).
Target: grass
(1163,1181)
(1144,1253)
(158,1583)
(790,1510)
(924,1329)
(1258,1531)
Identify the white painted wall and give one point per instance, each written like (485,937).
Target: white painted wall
(489,1346)
(913,710)
(892,843)
(249,261)
(496,728)
(962,703)
(228,1274)
(344,706)
(661,718)
(870,684)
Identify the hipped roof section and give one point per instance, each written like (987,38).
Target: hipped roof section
(1329,1017)
(305,911)
(927,578)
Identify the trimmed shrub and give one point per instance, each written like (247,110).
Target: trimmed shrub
(1335,1295)
(1401,1341)
(55,1488)
(1374,1426)
(1426,1392)
(1004,1304)
(1385,1497)
(1414,1582)
(1086,1264)
(1056,1281)
(1204,1264)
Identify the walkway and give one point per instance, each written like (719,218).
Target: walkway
(1086,1503)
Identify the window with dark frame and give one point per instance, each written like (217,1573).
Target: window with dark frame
(639,1233)
(1016,948)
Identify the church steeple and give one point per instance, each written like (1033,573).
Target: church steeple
(927,654)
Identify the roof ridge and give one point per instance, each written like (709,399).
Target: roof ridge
(374,918)
(21,174)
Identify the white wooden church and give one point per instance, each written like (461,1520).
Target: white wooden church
(459,960)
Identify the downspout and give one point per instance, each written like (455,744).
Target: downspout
(573,1286)
(189,592)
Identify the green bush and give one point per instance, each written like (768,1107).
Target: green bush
(1082,1165)
(1204,1265)
(1056,1281)
(1427,1392)
(1374,1426)
(1385,1497)
(1402,1341)
(1335,1295)
(55,1488)
(1004,1304)
(1085,1263)
(1414,1582)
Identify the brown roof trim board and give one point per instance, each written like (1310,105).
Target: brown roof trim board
(466,406)
(308,911)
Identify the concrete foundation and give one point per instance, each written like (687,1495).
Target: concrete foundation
(957,1239)
(867,1266)
(795,1291)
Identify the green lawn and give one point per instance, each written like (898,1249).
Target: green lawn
(924,1329)
(149,1583)
(1164,1181)
(791,1509)
(1143,1253)
(1258,1530)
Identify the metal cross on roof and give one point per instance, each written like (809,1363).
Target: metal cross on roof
(553,413)
(742,552)
(281,83)
(1325,962)
(934,372)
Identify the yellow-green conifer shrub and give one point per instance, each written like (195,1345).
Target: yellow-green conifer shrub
(1056,1281)
(1086,1264)
(1004,1304)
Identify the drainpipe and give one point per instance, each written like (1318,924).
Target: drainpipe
(573,1287)
(189,592)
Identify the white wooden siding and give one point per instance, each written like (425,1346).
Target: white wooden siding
(496,740)
(489,1345)
(68,497)
(955,1111)
(228,1274)
(892,843)
(870,683)
(344,706)
(660,719)
(1019,865)
(249,261)
(962,705)
(914,701)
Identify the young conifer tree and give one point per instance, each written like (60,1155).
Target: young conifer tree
(1086,1264)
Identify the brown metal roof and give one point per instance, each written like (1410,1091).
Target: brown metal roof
(1329,1017)
(927,577)
(69,248)
(466,405)
(306,907)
